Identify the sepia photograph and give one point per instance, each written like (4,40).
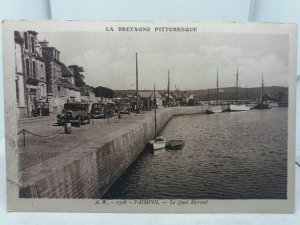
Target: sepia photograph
(162,116)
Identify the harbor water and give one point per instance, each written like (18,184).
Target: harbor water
(233,155)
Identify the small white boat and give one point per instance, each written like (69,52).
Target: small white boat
(158,143)
(234,108)
(214,109)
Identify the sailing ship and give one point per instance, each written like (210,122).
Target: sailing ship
(158,142)
(215,108)
(238,107)
(262,104)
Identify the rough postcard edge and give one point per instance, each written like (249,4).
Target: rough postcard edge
(14,203)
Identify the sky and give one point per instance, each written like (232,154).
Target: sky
(192,58)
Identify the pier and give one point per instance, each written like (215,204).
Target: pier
(86,163)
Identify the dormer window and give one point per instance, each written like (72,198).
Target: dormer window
(56,54)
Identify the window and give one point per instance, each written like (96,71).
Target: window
(32,44)
(27,67)
(58,88)
(17,89)
(43,90)
(42,71)
(33,68)
(26,40)
(18,58)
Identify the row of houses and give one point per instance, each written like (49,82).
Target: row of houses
(162,99)
(43,83)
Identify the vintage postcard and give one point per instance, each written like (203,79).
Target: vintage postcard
(155,117)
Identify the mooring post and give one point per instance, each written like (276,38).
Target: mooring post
(67,128)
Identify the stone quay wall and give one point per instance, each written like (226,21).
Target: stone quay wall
(89,170)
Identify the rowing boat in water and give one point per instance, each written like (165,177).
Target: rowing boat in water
(158,143)
(175,144)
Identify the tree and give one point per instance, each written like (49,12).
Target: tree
(104,92)
(78,76)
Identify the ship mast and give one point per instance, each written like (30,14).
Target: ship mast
(136,81)
(154,103)
(246,95)
(208,99)
(236,86)
(168,103)
(217,86)
(262,87)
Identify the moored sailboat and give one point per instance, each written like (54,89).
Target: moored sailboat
(262,104)
(215,108)
(238,107)
(158,142)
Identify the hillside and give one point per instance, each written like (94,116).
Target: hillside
(226,93)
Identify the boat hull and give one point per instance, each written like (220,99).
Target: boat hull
(235,108)
(175,144)
(158,144)
(214,109)
(263,106)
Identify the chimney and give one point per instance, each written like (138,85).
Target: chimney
(44,43)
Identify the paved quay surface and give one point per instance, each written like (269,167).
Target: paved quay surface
(85,163)
(38,149)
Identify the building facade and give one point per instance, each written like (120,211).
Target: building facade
(53,77)
(87,95)
(43,84)
(31,85)
(20,75)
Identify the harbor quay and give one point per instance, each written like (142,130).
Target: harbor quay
(85,163)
